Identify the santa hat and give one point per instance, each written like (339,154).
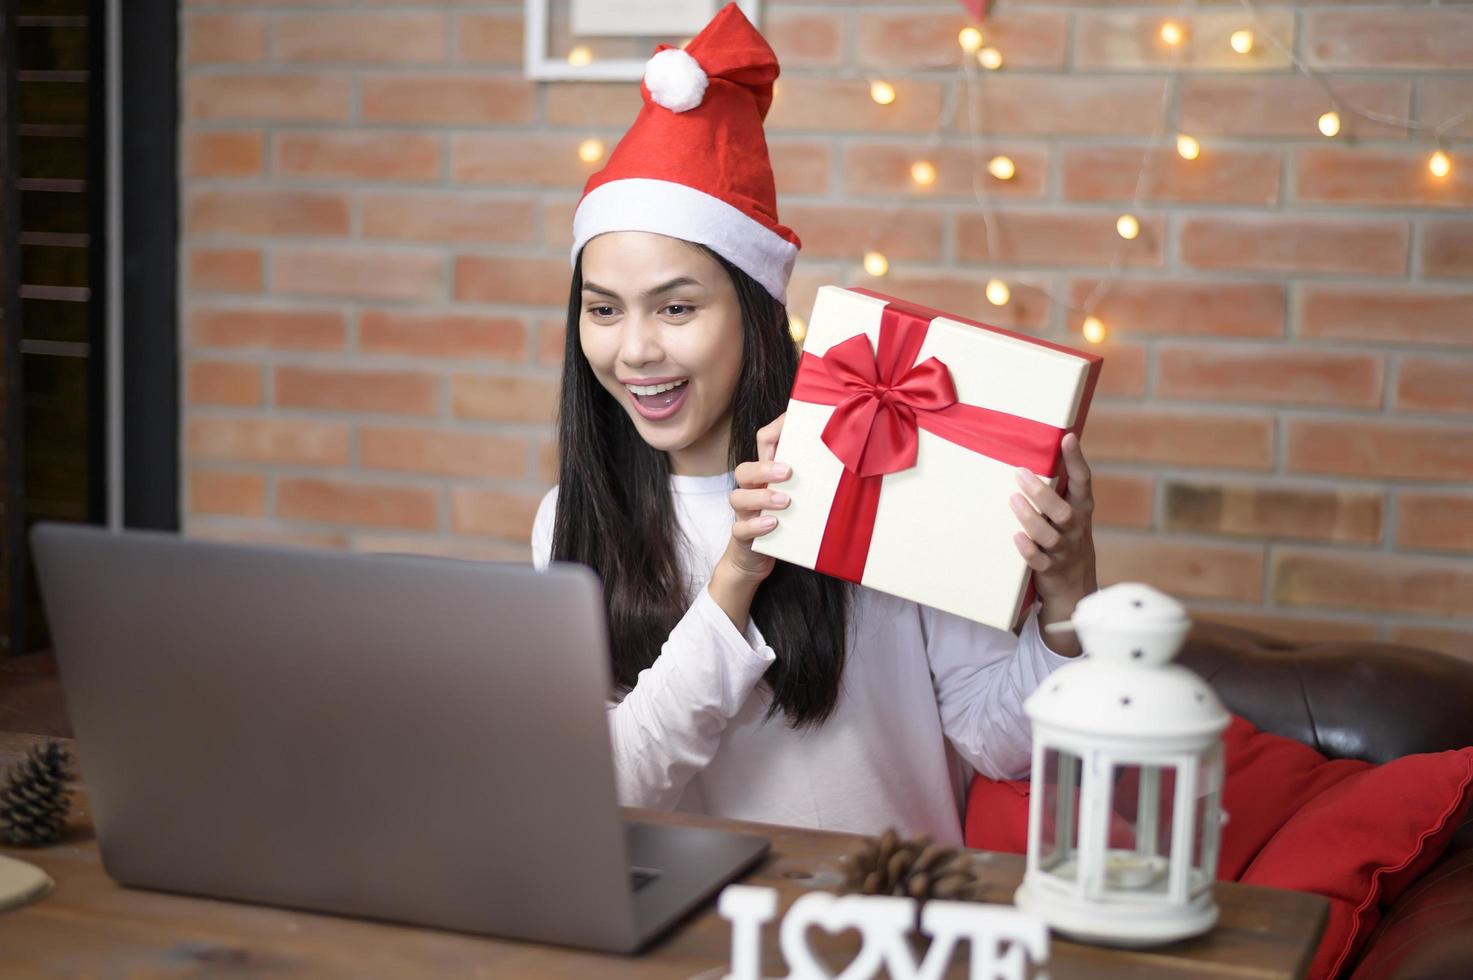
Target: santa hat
(694,165)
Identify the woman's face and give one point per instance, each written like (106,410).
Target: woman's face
(662,329)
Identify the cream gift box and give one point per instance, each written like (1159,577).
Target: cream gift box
(904,431)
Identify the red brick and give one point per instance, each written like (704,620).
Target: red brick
(358,38)
(800,166)
(1179,438)
(1257,511)
(264,532)
(459,99)
(1441,99)
(308,442)
(1454,643)
(1372,580)
(227,492)
(926,39)
(809,277)
(805,40)
(504,398)
(225,270)
(493,513)
(1269,374)
(1183,307)
(312,330)
(358,390)
(436,218)
(1365,246)
(249,211)
(1394,38)
(965,295)
(491,38)
(1435,384)
(1189,569)
(225,383)
(519,158)
(442,452)
(1122,500)
(1434,521)
(224,154)
(359,275)
(844,105)
(550,337)
(367,155)
(1366,448)
(1132,40)
(846,231)
(512,279)
(222,39)
(1220,176)
(1214,105)
(438,547)
(1049,105)
(1447,249)
(268,97)
(1296,629)
(1123,375)
(883,169)
(585,104)
(1371,175)
(1389,314)
(455,336)
(1056,237)
(557,222)
(547,461)
(362,503)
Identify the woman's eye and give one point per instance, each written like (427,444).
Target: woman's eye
(679,309)
(603,312)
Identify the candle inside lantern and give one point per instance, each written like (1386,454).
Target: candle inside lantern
(1129,871)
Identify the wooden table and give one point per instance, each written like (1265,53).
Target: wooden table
(92,927)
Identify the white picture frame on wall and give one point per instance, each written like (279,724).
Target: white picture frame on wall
(618,22)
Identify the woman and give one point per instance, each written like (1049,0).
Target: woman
(745,687)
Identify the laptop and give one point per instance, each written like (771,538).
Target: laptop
(411,739)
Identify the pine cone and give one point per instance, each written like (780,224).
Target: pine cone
(34,798)
(916,868)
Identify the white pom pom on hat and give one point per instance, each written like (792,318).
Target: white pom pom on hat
(675,80)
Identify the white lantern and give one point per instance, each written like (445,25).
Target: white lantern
(1126,801)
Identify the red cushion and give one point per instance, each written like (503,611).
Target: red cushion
(1356,833)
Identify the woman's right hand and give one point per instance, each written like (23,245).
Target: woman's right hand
(741,569)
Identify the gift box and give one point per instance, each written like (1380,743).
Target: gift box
(904,430)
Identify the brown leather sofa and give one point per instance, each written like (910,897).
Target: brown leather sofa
(1377,702)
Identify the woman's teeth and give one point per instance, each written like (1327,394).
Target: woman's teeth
(653,389)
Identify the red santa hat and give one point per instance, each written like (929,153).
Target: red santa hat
(694,165)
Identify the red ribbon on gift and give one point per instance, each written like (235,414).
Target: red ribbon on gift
(882,399)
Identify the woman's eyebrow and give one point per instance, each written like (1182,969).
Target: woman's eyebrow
(667,286)
(589,287)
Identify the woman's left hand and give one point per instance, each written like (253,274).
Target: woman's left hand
(1057,542)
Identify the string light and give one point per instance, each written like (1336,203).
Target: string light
(1128,226)
(1440,164)
(1002,167)
(998,292)
(580,57)
(882,92)
(1241,41)
(1094,330)
(591,151)
(923,172)
(990,58)
(970,39)
(1188,147)
(1172,33)
(797,328)
(876,264)
(1330,123)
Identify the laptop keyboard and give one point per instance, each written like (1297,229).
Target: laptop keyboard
(639,877)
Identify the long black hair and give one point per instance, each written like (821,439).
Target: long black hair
(615,514)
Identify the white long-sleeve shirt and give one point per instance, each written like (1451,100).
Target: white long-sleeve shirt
(692,734)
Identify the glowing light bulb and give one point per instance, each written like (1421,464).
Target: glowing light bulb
(1172,33)
(970,39)
(997,292)
(990,58)
(1188,147)
(797,329)
(1440,164)
(1330,123)
(1128,226)
(923,172)
(1002,167)
(580,57)
(876,264)
(882,92)
(1094,330)
(591,151)
(1241,41)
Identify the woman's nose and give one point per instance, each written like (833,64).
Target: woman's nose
(640,342)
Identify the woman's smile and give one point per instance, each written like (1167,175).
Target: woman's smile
(658,399)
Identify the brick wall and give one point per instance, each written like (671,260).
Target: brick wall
(376,210)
